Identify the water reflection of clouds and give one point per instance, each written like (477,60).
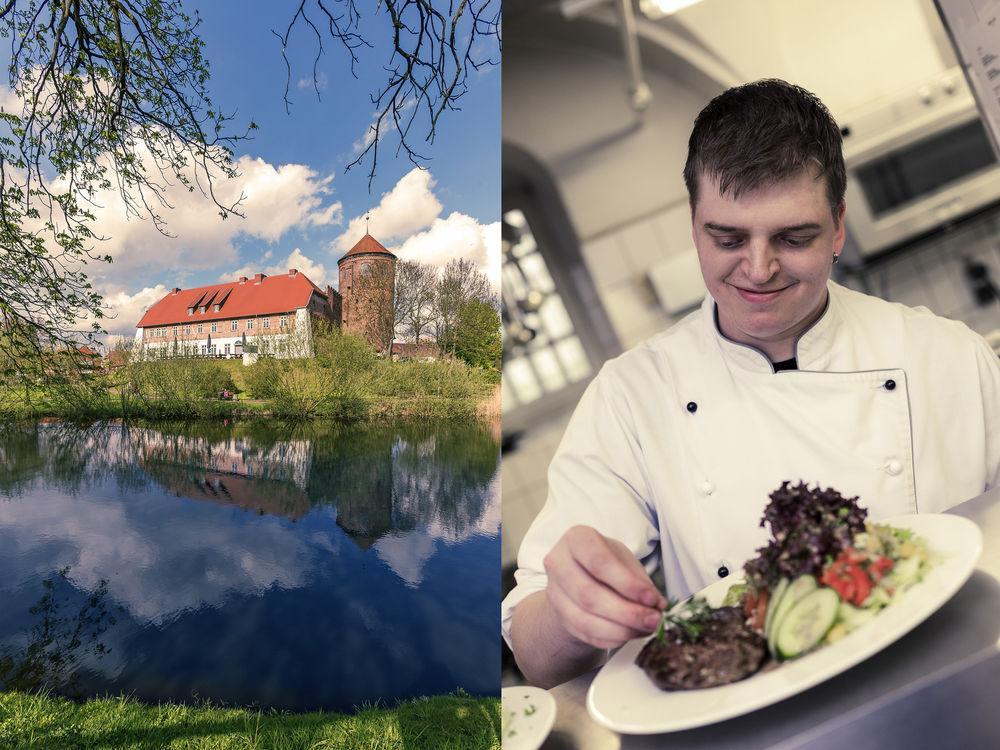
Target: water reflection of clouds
(155,575)
(368,577)
(418,494)
(407,552)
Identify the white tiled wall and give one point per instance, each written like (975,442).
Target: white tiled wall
(930,274)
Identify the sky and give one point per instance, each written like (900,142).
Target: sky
(302,209)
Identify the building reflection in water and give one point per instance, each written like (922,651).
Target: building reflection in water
(395,488)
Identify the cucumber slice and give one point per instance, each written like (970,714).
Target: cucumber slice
(854,617)
(772,603)
(797,589)
(807,623)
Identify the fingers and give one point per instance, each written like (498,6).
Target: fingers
(587,627)
(613,564)
(599,591)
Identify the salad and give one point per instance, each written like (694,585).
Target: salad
(826,571)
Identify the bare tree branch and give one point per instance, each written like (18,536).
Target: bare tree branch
(113,96)
(428,69)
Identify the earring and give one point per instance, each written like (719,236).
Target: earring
(836,258)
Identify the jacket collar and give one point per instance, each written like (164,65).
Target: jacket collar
(813,351)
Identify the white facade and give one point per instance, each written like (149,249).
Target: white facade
(296,343)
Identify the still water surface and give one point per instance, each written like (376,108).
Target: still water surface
(290,567)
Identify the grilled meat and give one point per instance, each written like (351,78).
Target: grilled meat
(724,650)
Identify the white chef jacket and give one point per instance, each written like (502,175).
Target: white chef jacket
(676,444)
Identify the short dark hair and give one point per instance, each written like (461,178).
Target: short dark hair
(762,133)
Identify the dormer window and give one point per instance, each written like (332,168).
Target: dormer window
(218,307)
(190,311)
(204,308)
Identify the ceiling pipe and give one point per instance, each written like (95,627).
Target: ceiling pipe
(639,92)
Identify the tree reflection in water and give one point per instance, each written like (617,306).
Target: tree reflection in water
(64,639)
(380,478)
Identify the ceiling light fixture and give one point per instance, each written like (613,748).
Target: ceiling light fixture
(659,8)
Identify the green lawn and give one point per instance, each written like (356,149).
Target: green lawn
(452,722)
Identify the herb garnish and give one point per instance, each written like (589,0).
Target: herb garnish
(688,617)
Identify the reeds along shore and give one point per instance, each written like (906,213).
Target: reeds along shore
(345,381)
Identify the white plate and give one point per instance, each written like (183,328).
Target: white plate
(528,714)
(624,699)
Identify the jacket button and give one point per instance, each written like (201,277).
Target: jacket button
(707,488)
(723,571)
(893,467)
(890,385)
(692,407)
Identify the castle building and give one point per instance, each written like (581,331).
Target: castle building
(272,315)
(367,287)
(275,315)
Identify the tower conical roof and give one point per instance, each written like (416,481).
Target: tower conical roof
(367,245)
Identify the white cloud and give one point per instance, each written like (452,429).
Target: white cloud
(298,260)
(458,236)
(409,207)
(320,82)
(276,199)
(127,308)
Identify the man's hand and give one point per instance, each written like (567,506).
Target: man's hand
(599,591)
(598,597)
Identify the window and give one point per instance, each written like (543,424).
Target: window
(215,327)
(190,311)
(175,330)
(283,321)
(556,331)
(201,328)
(187,330)
(235,323)
(204,308)
(218,307)
(227,349)
(250,324)
(267,322)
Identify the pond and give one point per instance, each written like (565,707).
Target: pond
(299,568)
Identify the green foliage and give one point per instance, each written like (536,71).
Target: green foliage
(346,381)
(345,356)
(107,96)
(475,337)
(261,378)
(181,379)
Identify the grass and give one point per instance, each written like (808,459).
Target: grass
(450,722)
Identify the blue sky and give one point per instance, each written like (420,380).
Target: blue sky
(300,201)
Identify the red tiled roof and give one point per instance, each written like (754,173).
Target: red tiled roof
(366,246)
(260,295)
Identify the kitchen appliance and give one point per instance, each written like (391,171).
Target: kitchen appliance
(916,162)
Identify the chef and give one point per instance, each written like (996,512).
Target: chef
(782,374)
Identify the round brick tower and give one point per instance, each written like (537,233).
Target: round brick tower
(367,286)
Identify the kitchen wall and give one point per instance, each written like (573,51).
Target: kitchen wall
(620,174)
(848,53)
